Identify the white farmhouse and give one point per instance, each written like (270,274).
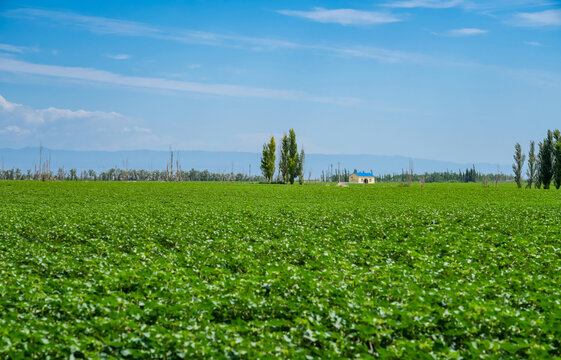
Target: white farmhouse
(363,178)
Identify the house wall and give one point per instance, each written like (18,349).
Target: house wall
(360,179)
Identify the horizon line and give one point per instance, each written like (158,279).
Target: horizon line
(258,153)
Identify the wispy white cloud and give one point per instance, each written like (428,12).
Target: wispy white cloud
(110,26)
(95,24)
(101,76)
(433,4)
(11,48)
(28,115)
(20,115)
(119,56)
(137,129)
(482,6)
(463,32)
(505,5)
(343,16)
(127,28)
(379,54)
(22,125)
(14,130)
(5,105)
(537,19)
(467,32)
(535,77)
(17,49)
(533,43)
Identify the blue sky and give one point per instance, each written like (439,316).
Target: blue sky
(455,80)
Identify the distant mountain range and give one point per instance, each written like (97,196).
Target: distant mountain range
(223,161)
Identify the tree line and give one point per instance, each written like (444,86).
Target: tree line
(116,174)
(543,169)
(291,162)
(467,176)
(460,176)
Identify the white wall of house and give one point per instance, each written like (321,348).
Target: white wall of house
(361,179)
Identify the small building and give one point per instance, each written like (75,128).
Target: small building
(362,178)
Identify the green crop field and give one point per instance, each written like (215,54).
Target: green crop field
(220,270)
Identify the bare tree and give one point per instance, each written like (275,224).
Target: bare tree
(171,164)
(410,173)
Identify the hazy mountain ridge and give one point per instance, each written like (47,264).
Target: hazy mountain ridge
(222,161)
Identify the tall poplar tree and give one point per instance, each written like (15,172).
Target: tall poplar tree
(268,159)
(291,164)
(557,159)
(538,176)
(283,161)
(301,167)
(293,157)
(519,159)
(531,172)
(545,158)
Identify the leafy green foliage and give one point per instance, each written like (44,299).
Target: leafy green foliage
(284,157)
(293,159)
(557,159)
(291,163)
(519,159)
(546,159)
(268,159)
(231,270)
(300,168)
(531,172)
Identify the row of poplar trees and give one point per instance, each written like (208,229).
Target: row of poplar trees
(544,168)
(291,162)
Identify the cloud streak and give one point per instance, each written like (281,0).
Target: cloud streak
(433,4)
(22,125)
(101,76)
(110,26)
(343,16)
(14,130)
(467,32)
(127,28)
(119,56)
(538,19)
(17,49)
(137,129)
(463,32)
(378,54)
(31,116)
(483,6)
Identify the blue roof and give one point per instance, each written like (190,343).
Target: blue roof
(363,174)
